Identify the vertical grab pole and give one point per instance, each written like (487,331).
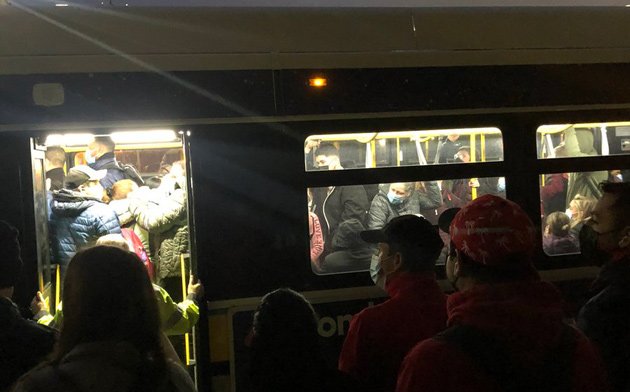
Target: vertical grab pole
(483,146)
(373,149)
(184,294)
(473,156)
(397,151)
(57,286)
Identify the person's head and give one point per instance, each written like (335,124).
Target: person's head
(170,156)
(581,208)
(493,241)
(55,157)
(610,221)
(453,137)
(10,261)
(107,296)
(153,182)
(122,188)
(327,157)
(463,154)
(399,192)
(560,151)
(100,146)
(115,240)
(407,243)
(85,180)
(558,224)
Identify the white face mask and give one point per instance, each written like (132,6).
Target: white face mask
(89,157)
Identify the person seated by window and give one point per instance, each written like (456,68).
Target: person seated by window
(111,339)
(402,198)
(285,348)
(557,237)
(580,209)
(349,251)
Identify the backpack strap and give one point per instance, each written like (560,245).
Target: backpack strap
(491,355)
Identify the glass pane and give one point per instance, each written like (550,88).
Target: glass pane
(404,148)
(567,200)
(583,140)
(337,214)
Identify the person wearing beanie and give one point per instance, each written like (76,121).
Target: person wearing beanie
(379,336)
(506,327)
(23,343)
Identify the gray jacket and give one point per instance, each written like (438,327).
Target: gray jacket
(382,211)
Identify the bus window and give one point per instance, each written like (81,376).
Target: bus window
(567,200)
(337,214)
(402,148)
(583,140)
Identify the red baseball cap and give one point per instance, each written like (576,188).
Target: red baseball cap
(491,228)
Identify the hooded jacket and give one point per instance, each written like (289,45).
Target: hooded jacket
(76,222)
(166,219)
(379,336)
(527,316)
(98,367)
(23,343)
(126,219)
(382,211)
(605,319)
(560,245)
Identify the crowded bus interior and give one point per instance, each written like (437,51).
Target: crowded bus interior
(360,199)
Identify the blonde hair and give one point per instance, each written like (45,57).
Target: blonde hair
(122,188)
(584,206)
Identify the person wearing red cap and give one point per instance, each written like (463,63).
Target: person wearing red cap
(506,327)
(379,336)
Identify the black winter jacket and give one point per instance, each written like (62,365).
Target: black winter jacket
(23,343)
(382,211)
(605,319)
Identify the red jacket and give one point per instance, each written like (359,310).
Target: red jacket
(381,335)
(529,314)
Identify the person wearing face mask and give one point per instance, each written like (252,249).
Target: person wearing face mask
(401,198)
(605,318)
(78,215)
(379,336)
(507,329)
(99,155)
(335,204)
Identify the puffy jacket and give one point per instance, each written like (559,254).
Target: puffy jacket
(380,336)
(23,344)
(338,204)
(165,217)
(99,367)
(77,222)
(526,316)
(382,211)
(115,173)
(605,319)
(582,183)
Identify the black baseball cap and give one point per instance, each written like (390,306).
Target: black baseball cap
(410,230)
(446,217)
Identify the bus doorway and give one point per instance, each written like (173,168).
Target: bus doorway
(137,198)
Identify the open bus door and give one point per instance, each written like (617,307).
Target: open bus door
(45,271)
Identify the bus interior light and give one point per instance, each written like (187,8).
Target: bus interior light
(149,136)
(318,82)
(69,139)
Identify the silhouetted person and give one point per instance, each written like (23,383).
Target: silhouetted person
(23,343)
(605,319)
(54,162)
(99,155)
(110,338)
(285,348)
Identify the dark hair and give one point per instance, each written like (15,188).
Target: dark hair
(417,258)
(559,223)
(622,202)
(108,297)
(10,261)
(327,149)
(106,142)
(56,155)
(153,182)
(517,270)
(285,345)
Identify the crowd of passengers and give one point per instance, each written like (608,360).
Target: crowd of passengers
(503,329)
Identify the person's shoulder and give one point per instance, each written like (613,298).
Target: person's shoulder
(41,378)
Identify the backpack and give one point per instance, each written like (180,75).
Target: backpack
(136,247)
(129,171)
